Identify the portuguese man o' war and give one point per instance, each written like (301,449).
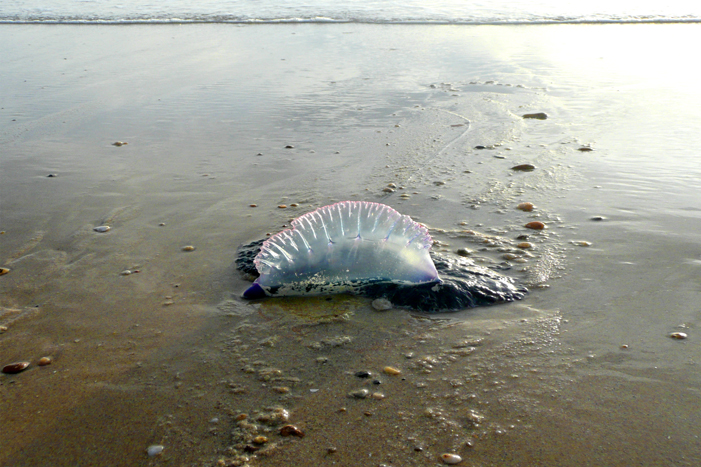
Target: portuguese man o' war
(370,249)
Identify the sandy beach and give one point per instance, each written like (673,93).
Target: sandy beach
(152,345)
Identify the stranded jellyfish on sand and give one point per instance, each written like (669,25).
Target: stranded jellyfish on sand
(370,249)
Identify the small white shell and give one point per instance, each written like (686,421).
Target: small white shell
(451,458)
(154,450)
(102,228)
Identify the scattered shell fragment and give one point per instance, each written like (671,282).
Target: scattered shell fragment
(102,228)
(4,271)
(537,116)
(451,458)
(260,440)
(382,304)
(282,206)
(377,396)
(126,272)
(294,205)
(14,368)
(154,450)
(253,205)
(585,149)
(524,167)
(43,361)
(535,225)
(581,243)
(188,248)
(674,335)
(119,143)
(528,207)
(291,430)
(390,370)
(388,190)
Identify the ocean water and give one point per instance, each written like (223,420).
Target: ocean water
(361,11)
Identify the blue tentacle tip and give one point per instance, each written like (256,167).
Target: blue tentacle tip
(254,292)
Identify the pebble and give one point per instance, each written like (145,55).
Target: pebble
(155,450)
(260,440)
(363,374)
(102,228)
(382,304)
(585,149)
(253,205)
(294,205)
(188,248)
(528,207)
(674,335)
(535,225)
(390,370)
(388,190)
(451,458)
(281,389)
(391,185)
(52,175)
(377,396)
(524,167)
(4,271)
(598,218)
(162,224)
(282,206)
(359,393)
(291,430)
(525,245)
(14,368)
(463,251)
(126,272)
(289,146)
(537,115)
(43,361)
(119,143)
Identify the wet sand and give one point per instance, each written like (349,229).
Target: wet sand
(581,372)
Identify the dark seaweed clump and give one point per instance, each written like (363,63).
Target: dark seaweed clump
(462,284)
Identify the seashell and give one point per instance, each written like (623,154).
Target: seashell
(451,458)
(4,271)
(340,247)
(291,430)
(14,368)
(102,228)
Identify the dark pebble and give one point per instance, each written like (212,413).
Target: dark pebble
(52,175)
(250,448)
(522,237)
(598,218)
(14,368)
(524,167)
(289,146)
(537,116)
(376,381)
(480,147)
(363,374)
(585,149)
